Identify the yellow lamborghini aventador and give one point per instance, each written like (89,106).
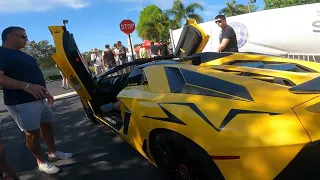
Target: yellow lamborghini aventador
(207,115)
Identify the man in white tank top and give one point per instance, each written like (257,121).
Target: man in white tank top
(97,62)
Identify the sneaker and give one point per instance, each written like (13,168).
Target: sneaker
(59,156)
(48,168)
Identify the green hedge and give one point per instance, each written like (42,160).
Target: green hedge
(53,77)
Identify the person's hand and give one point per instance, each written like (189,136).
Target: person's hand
(38,92)
(49,98)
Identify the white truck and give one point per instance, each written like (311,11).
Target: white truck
(293,32)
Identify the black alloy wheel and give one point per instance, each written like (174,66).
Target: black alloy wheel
(183,159)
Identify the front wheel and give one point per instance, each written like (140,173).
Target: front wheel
(183,159)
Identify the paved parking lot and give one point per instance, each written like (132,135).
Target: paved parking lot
(99,153)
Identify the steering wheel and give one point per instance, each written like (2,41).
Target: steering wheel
(110,71)
(135,62)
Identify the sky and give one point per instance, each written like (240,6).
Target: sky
(93,23)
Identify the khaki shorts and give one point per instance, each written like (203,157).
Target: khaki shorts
(28,116)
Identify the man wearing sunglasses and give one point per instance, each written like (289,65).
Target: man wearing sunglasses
(26,97)
(228,37)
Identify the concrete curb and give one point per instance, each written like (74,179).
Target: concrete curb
(61,96)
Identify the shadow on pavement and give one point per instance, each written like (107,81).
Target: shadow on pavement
(99,153)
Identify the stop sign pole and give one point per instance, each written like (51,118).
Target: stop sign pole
(127,26)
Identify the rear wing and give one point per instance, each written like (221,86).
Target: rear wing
(309,87)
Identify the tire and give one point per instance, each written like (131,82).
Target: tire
(182,159)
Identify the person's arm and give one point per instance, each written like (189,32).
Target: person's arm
(9,83)
(225,39)
(6,82)
(102,56)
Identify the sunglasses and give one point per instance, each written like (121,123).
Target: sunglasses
(218,21)
(21,36)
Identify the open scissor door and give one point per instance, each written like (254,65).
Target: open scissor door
(75,68)
(192,40)
(71,63)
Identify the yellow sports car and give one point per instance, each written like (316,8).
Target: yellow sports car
(202,121)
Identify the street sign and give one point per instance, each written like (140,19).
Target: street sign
(127,26)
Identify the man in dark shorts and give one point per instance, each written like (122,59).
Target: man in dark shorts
(228,38)
(26,97)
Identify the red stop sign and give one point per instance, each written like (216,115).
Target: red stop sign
(127,26)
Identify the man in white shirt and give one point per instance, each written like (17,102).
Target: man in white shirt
(97,62)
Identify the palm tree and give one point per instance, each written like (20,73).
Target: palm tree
(179,12)
(234,9)
(156,30)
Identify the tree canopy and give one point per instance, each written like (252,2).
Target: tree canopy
(233,9)
(154,23)
(180,12)
(42,52)
(272,4)
(149,26)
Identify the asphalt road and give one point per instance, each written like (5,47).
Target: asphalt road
(53,87)
(98,153)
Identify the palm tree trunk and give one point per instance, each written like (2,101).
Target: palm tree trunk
(186,19)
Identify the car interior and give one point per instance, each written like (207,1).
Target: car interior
(104,88)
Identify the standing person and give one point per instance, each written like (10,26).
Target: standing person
(108,57)
(129,54)
(64,81)
(130,58)
(116,54)
(163,49)
(143,52)
(122,55)
(26,97)
(97,61)
(228,37)
(122,52)
(170,48)
(154,50)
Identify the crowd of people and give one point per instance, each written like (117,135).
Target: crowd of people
(110,57)
(118,54)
